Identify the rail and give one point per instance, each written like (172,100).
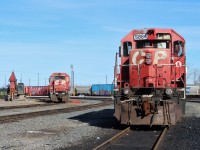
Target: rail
(78,97)
(22,116)
(111,143)
(157,143)
(111,139)
(92,97)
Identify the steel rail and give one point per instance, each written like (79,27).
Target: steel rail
(29,106)
(22,116)
(111,139)
(193,101)
(50,103)
(93,97)
(159,139)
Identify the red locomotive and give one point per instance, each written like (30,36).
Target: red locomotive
(57,90)
(59,87)
(150,88)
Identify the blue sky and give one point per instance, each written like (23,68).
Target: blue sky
(46,36)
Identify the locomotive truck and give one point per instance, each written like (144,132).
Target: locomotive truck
(59,87)
(150,86)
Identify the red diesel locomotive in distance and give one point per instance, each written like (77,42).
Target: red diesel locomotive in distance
(150,88)
(57,90)
(59,87)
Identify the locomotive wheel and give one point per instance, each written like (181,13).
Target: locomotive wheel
(66,98)
(53,98)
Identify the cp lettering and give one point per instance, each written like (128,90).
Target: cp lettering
(135,55)
(159,55)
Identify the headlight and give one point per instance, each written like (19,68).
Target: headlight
(148,55)
(168,91)
(148,61)
(126,91)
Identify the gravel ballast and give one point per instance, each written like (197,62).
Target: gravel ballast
(185,135)
(54,132)
(86,129)
(45,108)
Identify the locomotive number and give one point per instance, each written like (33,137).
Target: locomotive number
(159,55)
(140,36)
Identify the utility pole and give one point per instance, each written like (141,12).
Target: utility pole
(21,79)
(5,82)
(29,82)
(45,81)
(38,78)
(106,79)
(72,78)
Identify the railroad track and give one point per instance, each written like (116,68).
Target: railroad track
(133,139)
(28,106)
(49,103)
(19,117)
(194,100)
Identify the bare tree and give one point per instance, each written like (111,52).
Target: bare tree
(193,74)
(189,71)
(196,76)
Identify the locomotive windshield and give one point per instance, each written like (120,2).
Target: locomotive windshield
(59,78)
(152,44)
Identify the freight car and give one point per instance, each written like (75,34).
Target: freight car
(83,90)
(37,90)
(95,90)
(192,90)
(102,89)
(150,86)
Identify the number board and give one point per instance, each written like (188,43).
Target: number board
(140,36)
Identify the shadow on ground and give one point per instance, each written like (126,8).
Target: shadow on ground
(103,118)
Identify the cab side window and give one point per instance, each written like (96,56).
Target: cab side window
(178,48)
(50,79)
(127,46)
